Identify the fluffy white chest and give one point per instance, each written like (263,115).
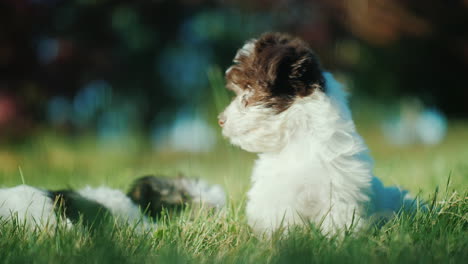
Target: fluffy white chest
(298,189)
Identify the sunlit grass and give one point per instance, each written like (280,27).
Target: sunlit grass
(50,161)
(437,236)
(439,174)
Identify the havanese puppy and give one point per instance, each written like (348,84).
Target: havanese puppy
(148,196)
(312,165)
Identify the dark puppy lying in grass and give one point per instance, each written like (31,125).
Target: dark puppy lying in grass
(147,197)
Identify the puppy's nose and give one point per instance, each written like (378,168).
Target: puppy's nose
(221,120)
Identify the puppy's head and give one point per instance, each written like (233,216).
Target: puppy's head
(269,74)
(153,193)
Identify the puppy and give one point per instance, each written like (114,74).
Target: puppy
(312,165)
(148,196)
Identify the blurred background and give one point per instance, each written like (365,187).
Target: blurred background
(85,81)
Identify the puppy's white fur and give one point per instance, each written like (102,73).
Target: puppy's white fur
(120,206)
(204,194)
(312,164)
(29,206)
(34,208)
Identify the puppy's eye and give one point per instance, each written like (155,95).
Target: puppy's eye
(244,100)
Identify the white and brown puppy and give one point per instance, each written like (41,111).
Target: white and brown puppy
(312,165)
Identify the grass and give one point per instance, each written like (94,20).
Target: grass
(50,161)
(439,174)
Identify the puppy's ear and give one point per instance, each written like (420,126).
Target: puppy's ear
(306,74)
(299,73)
(288,65)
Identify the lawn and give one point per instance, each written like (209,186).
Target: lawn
(438,174)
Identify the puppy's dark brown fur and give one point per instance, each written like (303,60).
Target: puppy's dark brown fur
(279,68)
